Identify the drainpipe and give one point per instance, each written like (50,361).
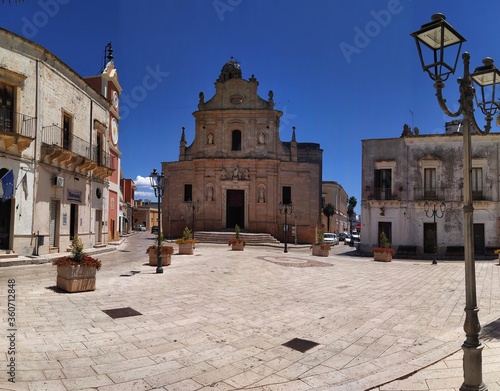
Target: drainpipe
(36,152)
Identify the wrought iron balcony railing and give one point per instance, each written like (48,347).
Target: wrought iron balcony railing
(54,135)
(429,193)
(19,123)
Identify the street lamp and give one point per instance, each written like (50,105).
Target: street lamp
(194,207)
(157,183)
(286,209)
(432,40)
(434,213)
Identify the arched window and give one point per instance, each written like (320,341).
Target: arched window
(236,140)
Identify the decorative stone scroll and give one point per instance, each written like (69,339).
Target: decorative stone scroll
(235,174)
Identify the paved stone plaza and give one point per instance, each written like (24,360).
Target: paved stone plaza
(219,319)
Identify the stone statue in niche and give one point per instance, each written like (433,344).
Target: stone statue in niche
(262,138)
(210,138)
(261,195)
(210,193)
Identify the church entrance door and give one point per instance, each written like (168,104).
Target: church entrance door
(235,208)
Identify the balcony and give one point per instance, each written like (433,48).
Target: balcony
(17,131)
(429,193)
(62,149)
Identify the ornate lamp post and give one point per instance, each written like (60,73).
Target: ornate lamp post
(157,183)
(286,209)
(432,40)
(194,207)
(434,213)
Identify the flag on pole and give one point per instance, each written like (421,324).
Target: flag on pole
(8,186)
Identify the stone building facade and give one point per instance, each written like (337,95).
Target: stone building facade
(399,175)
(55,153)
(334,193)
(237,170)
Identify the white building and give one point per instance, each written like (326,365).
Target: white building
(54,153)
(399,175)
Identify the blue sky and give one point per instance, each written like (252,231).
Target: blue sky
(341,71)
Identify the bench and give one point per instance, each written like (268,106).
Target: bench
(407,250)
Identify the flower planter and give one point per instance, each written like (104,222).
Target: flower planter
(320,252)
(186,249)
(76,278)
(382,257)
(240,246)
(166,259)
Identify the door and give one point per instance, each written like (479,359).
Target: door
(235,208)
(98,226)
(429,238)
(73,221)
(6,108)
(53,224)
(5,219)
(479,239)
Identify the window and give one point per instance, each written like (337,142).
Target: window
(429,183)
(477,183)
(66,131)
(188,192)
(6,108)
(236,140)
(383,184)
(286,195)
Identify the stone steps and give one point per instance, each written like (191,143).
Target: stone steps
(223,237)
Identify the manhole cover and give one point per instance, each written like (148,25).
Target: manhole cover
(121,312)
(302,345)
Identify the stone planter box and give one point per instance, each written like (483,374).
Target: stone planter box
(76,278)
(166,259)
(186,249)
(238,246)
(319,252)
(382,257)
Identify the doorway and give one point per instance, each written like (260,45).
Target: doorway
(429,238)
(387,229)
(73,221)
(235,208)
(54,223)
(479,242)
(98,226)
(5,219)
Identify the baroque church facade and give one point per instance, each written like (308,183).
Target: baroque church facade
(237,170)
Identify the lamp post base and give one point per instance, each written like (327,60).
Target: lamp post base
(472,369)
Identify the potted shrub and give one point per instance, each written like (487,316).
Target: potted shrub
(383,253)
(497,253)
(186,243)
(76,273)
(166,253)
(320,248)
(236,243)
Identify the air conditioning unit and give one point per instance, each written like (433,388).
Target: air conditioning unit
(59,181)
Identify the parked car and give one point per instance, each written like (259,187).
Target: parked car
(155,229)
(356,237)
(330,238)
(342,236)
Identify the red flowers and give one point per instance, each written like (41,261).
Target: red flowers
(87,261)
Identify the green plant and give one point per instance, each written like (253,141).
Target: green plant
(384,241)
(78,257)
(187,237)
(320,237)
(237,231)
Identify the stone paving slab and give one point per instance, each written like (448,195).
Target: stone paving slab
(217,320)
